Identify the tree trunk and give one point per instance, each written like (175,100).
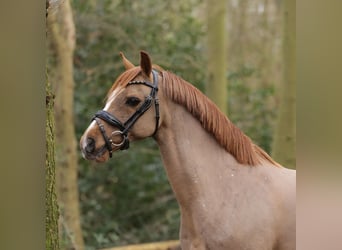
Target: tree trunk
(284,145)
(51,206)
(241,41)
(63,40)
(217,53)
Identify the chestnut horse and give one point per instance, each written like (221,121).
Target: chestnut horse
(231,194)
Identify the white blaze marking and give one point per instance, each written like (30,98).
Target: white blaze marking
(112,98)
(92,124)
(106,108)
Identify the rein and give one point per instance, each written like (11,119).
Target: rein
(126,126)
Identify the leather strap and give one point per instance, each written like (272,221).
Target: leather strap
(126,126)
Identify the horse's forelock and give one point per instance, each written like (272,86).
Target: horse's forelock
(124,79)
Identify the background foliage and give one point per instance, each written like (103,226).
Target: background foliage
(129,200)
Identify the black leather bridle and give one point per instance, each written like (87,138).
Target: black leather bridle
(126,126)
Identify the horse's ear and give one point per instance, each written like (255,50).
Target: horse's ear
(145,63)
(126,62)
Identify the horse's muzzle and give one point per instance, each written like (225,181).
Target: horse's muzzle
(90,146)
(89,151)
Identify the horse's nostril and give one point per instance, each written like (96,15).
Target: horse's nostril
(90,148)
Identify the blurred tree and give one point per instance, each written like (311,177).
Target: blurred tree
(240,21)
(254,67)
(51,206)
(284,145)
(216,87)
(63,41)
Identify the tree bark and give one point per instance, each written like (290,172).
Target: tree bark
(217,53)
(63,40)
(284,145)
(51,205)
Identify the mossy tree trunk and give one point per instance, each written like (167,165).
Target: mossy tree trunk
(284,144)
(217,53)
(51,205)
(63,41)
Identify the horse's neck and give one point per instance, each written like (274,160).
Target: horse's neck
(194,161)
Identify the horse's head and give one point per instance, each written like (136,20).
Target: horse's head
(130,113)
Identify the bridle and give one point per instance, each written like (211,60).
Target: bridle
(126,126)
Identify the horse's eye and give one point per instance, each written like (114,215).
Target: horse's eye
(132,101)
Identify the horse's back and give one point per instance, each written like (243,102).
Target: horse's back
(286,199)
(284,208)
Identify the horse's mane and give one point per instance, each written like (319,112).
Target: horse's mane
(230,137)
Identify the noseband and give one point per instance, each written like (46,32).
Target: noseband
(126,126)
